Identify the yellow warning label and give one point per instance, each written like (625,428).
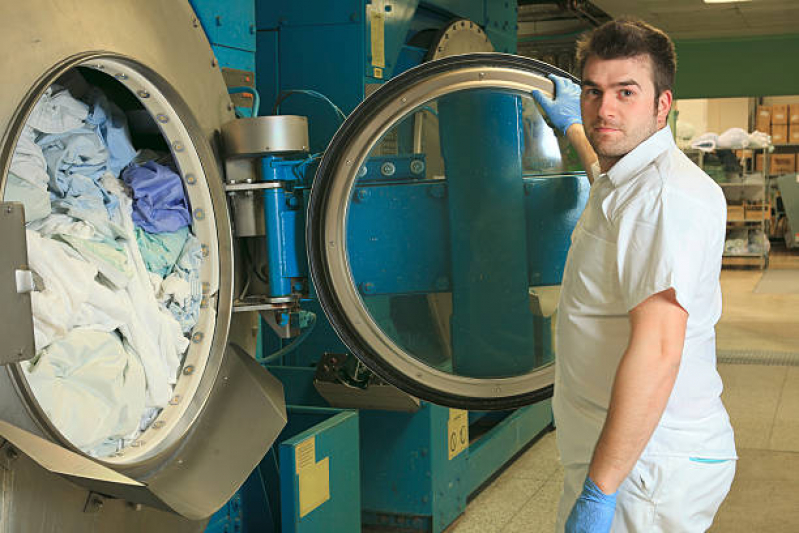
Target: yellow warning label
(314,478)
(377,21)
(314,486)
(378,73)
(305,454)
(457,432)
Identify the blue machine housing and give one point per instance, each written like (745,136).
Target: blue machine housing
(328,47)
(387,470)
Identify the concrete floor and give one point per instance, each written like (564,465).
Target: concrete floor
(763,402)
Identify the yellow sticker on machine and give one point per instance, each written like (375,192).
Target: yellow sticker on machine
(313,476)
(377,20)
(457,432)
(314,486)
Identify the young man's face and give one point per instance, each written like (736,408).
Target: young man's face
(618,105)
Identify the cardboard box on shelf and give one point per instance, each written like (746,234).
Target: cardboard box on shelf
(782,164)
(779,114)
(793,114)
(779,134)
(764,113)
(763,124)
(793,134)
(757,211)
(735,212)
(759,162)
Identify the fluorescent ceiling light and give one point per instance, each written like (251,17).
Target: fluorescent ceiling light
(724,1)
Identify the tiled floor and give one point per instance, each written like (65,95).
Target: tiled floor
(763,402)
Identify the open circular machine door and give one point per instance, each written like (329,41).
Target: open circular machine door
(437,251)
(137,390)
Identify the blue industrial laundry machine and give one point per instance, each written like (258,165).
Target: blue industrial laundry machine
(385,217)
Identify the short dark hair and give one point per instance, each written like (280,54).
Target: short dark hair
(628,37)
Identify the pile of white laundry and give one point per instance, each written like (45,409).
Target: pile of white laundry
(732,139)
(114,303)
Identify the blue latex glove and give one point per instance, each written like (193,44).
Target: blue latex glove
(593,511)
(564,110)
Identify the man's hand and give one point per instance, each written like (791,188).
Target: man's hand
(593,511)
(564,110)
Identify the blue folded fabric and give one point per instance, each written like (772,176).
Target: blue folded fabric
(159,200)
(112,126)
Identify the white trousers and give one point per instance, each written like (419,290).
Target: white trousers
(660,495)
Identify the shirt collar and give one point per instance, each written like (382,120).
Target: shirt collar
(631,164)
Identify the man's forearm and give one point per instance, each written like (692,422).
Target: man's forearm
(640,392)
(644,381)
(577,138)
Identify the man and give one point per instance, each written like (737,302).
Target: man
(644,438)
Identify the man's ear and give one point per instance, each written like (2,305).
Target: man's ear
(664,106)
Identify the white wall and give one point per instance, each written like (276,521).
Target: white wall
(726,113)
(714,114)
(694,112)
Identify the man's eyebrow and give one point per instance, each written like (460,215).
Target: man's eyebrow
(624,83)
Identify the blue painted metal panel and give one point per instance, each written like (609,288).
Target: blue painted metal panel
(409,57)
(473,10)
(489,252)
(406,227)
(502,41)
(394,168)
(396,461)
(228,518)
(500,24)
(553,206)
(230,23)
(267,68)
(228,57)
(449,483)
(273,13)
(324,68)
(336,441)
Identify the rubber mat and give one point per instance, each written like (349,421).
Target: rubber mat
(778,281)
(764,358)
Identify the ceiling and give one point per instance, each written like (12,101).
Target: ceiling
(548,29)
(693,19)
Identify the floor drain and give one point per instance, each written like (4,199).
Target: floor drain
(751,357)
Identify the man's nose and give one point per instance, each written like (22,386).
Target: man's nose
(607,106)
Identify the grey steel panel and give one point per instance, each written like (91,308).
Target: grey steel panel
(258,136)
(211,449)
(16,319)
(34,500)
(244,416)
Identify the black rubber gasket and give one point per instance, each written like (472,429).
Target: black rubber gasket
(315,220)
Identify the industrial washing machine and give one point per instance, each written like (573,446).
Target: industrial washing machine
(432,252)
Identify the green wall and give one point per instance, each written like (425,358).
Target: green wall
(752,66)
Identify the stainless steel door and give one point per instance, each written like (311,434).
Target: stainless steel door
(443,278)
(226,410)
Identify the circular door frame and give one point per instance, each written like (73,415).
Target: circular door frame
(164,43)
(327,227)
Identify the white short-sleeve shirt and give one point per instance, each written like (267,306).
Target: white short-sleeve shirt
(654,222)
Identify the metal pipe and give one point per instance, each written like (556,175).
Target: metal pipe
(418,125)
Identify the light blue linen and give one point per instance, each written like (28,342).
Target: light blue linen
(160,251)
